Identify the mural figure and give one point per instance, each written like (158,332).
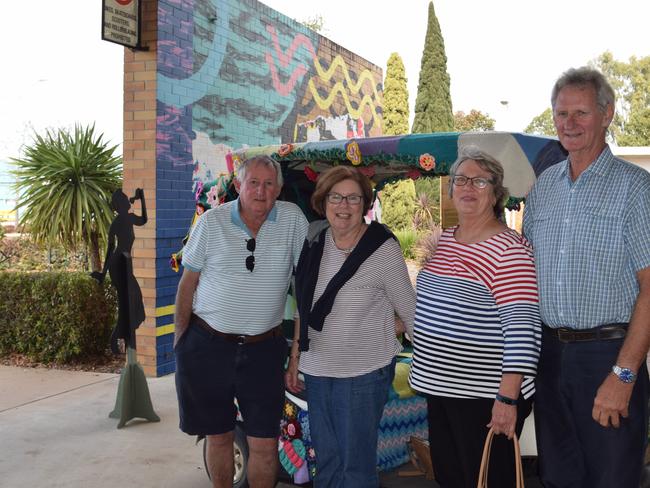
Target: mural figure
(133,393)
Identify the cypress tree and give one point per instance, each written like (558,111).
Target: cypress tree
(433,112)
(396,98)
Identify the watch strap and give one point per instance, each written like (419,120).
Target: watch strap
(505,399)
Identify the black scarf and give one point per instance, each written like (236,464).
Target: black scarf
(307,276)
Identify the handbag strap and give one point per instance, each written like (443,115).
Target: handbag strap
(485,462)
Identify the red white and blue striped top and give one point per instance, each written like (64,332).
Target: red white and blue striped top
(477,317)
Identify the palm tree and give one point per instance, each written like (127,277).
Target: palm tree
(64,183)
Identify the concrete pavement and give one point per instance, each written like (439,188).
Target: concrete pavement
(55,432)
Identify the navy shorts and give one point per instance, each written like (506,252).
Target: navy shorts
(212,371)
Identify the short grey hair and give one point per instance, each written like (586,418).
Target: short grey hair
(487,163)
(586,76)
(264,160)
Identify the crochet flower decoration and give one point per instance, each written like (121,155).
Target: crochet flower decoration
(368,171)
(285,150)
(174,262)
(427,162)
(289,410)
(311,174)
(353,153)
(292,430)
(212,198)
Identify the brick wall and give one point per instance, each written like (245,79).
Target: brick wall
(221,74)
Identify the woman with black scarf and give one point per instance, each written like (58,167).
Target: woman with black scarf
(351,284)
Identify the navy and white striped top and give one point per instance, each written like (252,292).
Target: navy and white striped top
(477,317)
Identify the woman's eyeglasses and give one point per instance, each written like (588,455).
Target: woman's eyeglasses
(478,182)
(336,199)
(250,260)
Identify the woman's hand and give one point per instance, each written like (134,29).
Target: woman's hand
(504,419)
(291,380)
(400,328)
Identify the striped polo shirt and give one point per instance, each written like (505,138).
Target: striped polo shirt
(229,297)
(358,335)
(477,317)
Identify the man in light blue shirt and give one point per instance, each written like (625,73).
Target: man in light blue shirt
(238,263)
(588,219)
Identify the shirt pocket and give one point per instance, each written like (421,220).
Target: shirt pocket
(600,230)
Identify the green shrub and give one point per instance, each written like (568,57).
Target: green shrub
(398,205)
(23,254)
(407,240)
(56,316)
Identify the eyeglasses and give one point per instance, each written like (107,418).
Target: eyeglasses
(250,260)
(337,199)
(478,182)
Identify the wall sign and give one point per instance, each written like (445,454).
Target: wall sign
(121,22)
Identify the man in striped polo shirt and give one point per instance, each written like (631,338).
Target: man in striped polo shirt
(588,219)
(238,264)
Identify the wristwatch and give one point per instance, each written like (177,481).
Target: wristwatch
(626,375)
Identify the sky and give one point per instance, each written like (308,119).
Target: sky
(58,72)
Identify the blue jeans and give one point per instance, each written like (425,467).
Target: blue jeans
(344,415)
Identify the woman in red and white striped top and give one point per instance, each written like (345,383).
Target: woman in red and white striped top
(477,330)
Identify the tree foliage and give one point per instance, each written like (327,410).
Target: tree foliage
(433,110)
(475,120)
(542,124)
(64,181)
(396,98)
(631,82)
(314,22)
(398,205)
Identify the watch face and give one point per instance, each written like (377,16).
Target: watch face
(624,374)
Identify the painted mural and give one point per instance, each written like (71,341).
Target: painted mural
(251,76)
(235,74)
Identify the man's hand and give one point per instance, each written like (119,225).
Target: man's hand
(504,419)
(611,401)
(178,333)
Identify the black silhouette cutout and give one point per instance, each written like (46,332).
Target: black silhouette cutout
(119,264)
(133,398)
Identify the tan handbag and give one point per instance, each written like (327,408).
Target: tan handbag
(485,462)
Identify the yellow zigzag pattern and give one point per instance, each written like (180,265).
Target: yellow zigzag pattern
(326,75)
(339,61)
(324,103)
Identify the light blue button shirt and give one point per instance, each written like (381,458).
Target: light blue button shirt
(590,238)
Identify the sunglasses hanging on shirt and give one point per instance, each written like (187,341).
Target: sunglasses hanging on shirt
(250,260)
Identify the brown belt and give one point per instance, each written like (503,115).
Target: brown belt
(602,333)
(237,338)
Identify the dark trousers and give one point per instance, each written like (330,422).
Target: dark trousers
(574,450)
(457,431)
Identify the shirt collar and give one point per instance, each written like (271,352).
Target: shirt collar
(235,215)
(599,167)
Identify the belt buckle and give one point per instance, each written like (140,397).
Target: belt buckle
(240,340)
(565,335)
